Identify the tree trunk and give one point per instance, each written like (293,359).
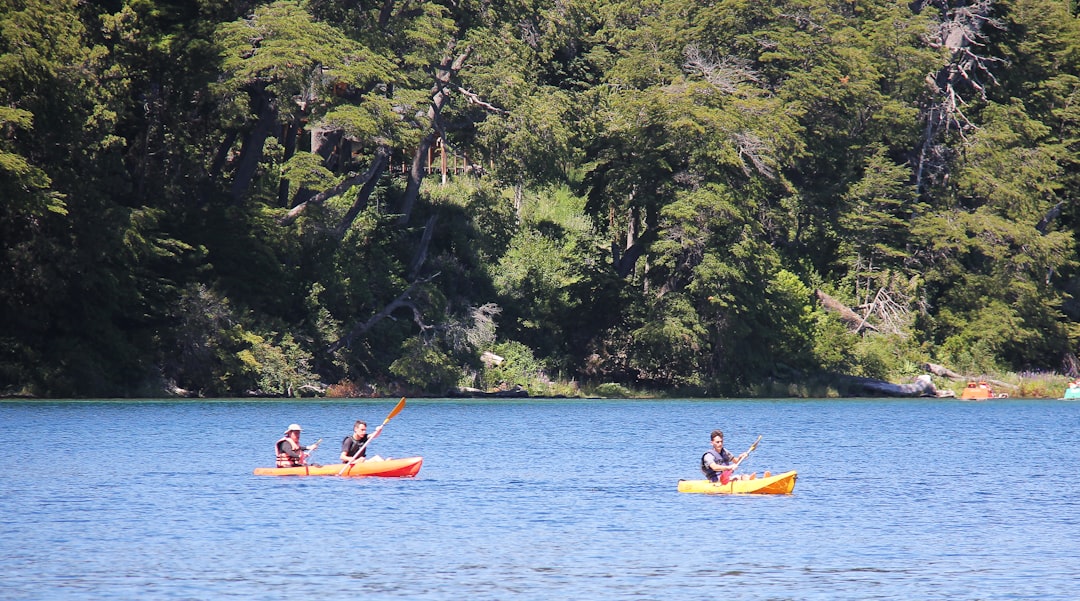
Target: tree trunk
(324,142)
(638,239)
(385,13)
(416,177)
(374,172)
(223,153)
(945,372)
(1071,365)
(421,253)
(439,94)
(252,150)
(288,140)
(625,261)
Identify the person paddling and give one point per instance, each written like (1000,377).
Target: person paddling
(718,463)
(355,446)
(289,451)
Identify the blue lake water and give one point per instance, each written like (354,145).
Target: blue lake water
(543,500)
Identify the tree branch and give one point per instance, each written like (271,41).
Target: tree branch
(377,164)
(474,98)
(403,300)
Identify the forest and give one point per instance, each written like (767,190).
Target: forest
(220,198)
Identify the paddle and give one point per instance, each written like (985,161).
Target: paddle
(748,451)
(310,450)
(396,410)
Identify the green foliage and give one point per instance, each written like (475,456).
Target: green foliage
(611,390)
(874,225)
(532,145)
(835,348)
(284,48)
(989,273)
(671,345)
(278,369)
(518,368)
(654,192)
(793,319)
(1007,169)
(541,276)
(306,170)
(426,366)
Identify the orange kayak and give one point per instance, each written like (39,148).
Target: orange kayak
(387,468)
(780,484)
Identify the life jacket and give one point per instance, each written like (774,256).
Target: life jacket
(283,458)
(350,445)
(723,458)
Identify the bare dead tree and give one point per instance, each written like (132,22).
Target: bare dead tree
(755,150)
(960,31)
(857,323)
(890,314)
(725,74)
(942,371)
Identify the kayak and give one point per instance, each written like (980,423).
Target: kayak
(780,484)
(980,391)
(387,468)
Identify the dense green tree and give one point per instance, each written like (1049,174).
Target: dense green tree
(79,256)
(221,197)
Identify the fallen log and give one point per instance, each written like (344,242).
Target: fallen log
(856,322)
(921,387)
(942,371)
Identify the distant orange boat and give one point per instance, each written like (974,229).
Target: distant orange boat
(980,391)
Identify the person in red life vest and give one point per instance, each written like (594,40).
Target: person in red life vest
(718,463)
(355,446)
(289,451)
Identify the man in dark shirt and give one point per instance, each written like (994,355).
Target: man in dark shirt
(355,446)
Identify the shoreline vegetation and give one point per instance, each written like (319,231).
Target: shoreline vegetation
(1029,385)
(298,198)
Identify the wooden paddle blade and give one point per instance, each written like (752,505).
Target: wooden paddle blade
(396,410)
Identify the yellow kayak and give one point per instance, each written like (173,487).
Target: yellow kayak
(780,484)
(387,468)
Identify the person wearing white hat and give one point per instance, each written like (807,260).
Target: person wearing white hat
(289,451)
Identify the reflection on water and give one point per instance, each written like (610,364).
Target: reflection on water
(897,499)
